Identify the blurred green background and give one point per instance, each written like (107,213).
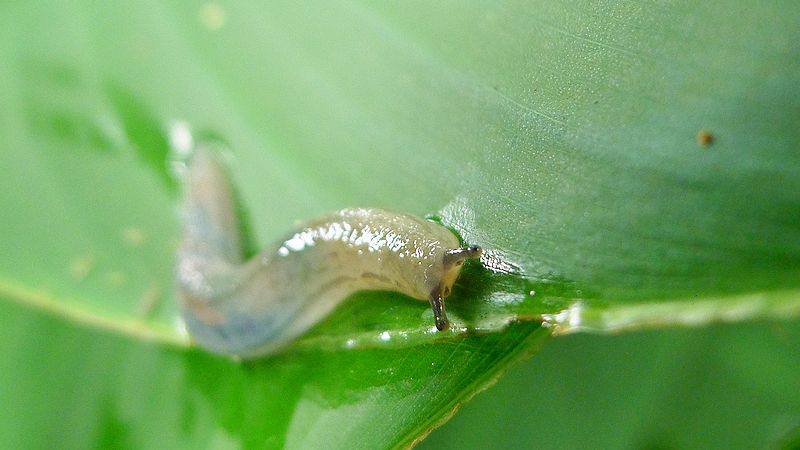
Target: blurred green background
(563,137)
(720,387)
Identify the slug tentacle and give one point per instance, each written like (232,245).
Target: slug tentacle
(439,313)
(254,308)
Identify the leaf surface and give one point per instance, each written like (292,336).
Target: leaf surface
(626,166)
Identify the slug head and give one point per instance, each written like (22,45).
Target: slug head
(453,261)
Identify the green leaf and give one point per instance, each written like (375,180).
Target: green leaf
(66,385)
(716,387)
(567,139)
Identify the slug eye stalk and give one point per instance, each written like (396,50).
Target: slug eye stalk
(459,255)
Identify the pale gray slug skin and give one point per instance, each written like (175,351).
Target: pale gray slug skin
(254,308)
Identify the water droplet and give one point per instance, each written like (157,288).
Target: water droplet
(81,266)
(181,139)
(133,236)
(567,320)
(212,16)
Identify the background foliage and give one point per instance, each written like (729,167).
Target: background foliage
(561,136)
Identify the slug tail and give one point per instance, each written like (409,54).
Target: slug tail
(211,230)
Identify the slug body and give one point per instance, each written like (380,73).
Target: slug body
(254,308)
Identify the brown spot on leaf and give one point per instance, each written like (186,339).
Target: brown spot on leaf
(704,137)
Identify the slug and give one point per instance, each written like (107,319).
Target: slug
(255,308)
